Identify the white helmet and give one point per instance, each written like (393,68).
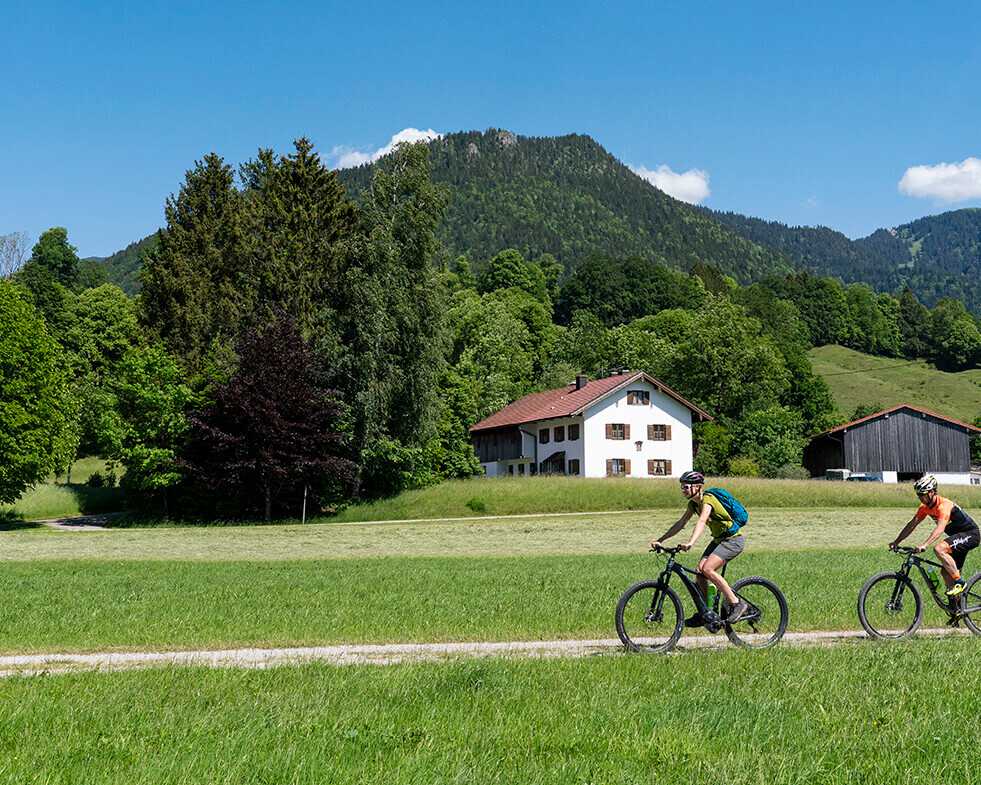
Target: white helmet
(925,484)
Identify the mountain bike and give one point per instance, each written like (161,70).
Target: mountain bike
(890,606)
(650,617)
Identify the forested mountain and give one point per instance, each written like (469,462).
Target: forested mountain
(936,256)
(123,267)
(568,197)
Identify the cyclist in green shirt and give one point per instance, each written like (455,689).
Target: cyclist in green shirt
(724,546)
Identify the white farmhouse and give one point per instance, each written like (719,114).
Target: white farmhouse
(625,424)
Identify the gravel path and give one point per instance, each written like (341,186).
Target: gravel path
(389,654)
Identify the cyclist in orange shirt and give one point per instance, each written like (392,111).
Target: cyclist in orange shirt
(962,531)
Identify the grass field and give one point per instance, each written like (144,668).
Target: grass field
(522,495)
(903,714)
(56,498)
(856,378)
(510,579)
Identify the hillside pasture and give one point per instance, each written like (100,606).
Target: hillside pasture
(860,379)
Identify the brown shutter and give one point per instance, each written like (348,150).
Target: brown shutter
(667,467)
(626,431)
(630,397)
(628,467)
(650,432)
(609,464)
(667,432)
(609,431)
(650,467)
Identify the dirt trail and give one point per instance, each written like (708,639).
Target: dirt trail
(388,654)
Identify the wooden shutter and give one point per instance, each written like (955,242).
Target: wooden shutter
(630,397)
(650,467)
(609,430)
(650,432)
(609,464)
(626,431)
(667,468)
(667,432)
(628,466)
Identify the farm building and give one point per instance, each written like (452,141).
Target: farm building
(896,445)
(624,424)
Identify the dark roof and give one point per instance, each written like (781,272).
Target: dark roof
(569,402)
(893,409)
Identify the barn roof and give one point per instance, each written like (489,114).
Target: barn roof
(893,409)
(571,402)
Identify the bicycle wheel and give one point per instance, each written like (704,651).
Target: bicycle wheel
(649,617)
(890,606)
(970,603)
(766,617)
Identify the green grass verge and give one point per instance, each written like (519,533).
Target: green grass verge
(849,714)
(135,605)
(523,495)
(856,378)
(56,498)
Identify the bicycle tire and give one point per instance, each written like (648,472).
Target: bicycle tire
(969,603)
(765,620)
(640,633)
(876,612)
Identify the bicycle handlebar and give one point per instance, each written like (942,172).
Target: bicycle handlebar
(665,549)
(903,549)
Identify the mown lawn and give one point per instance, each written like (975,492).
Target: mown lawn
(58,605)
(903,713)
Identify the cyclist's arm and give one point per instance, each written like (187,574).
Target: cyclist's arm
(935,535)
(906,532)
(699,525)
(673,530)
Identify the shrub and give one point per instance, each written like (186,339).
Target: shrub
(476,504)
(744,467)
(96,480)
(792,471)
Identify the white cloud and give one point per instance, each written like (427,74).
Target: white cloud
(946,183)
(691,186)
(811,202)
(348,156)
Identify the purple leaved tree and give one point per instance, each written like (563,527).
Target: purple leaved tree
(273,430)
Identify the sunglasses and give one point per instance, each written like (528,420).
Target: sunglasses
(688,487)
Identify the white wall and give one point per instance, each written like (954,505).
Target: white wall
(662,410)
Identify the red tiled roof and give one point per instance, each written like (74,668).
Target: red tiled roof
(569,402)
(893,409)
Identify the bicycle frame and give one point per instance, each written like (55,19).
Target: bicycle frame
(696,596)
(914,560)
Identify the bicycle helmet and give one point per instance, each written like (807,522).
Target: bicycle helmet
(925,484)
(692,478)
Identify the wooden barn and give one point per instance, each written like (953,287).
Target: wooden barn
(897,445)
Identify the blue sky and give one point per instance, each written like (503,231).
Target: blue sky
(851,115)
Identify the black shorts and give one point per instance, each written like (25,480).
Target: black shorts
(959,544)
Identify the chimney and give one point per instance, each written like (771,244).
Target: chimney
(580,381)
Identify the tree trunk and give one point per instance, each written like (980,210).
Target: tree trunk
(268,504)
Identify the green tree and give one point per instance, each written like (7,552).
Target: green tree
(35,404)
(510,270)
(956,340)
(773,437)
(54,253)
(152,401)
(913,322)
(194,297)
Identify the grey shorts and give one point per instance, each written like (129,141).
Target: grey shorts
(727,550)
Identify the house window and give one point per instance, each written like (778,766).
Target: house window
(659,468)
(559,433)
(574,432)
(574,466)
(638,397)
(543,436)
(618,430)
(617,466)
(521,469)
(510,468)
(659,433)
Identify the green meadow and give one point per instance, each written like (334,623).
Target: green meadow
(868,713)
(854,712)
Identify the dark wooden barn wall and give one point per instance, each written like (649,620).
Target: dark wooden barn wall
(501,445)
(907,442)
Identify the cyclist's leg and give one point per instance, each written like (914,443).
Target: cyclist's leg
(723,553)
(944,551)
